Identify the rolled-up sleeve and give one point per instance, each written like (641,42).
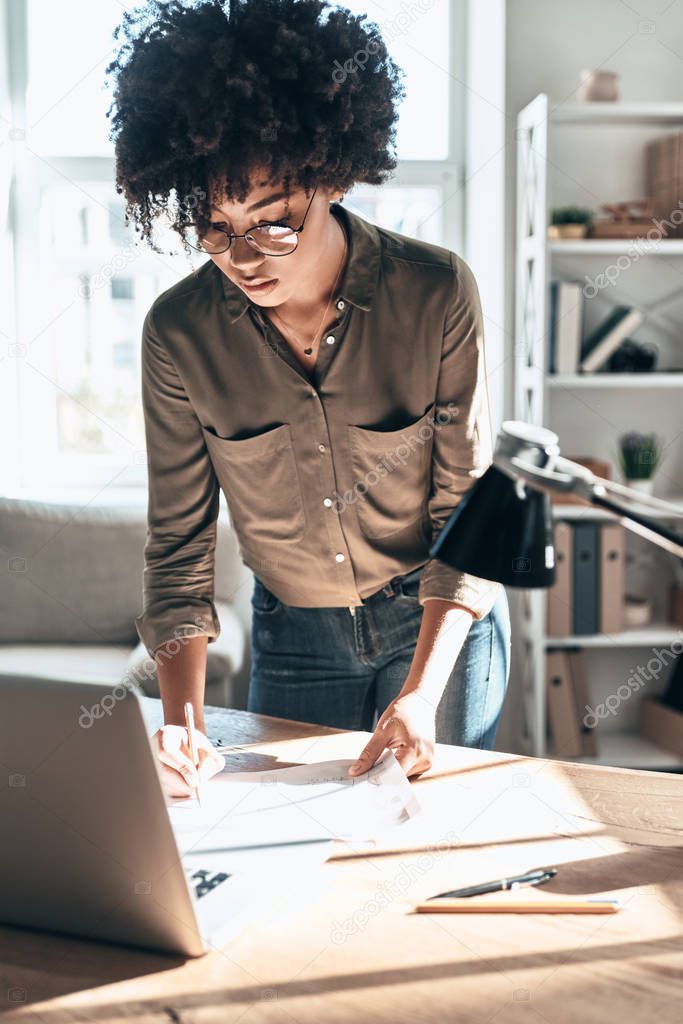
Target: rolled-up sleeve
(463,443)
(182,509)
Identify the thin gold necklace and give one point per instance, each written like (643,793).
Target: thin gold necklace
(309,350)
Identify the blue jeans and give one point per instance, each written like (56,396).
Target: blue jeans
(326,666)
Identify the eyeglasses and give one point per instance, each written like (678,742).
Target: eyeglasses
(272,239)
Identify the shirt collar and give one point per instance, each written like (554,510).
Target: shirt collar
(359,283)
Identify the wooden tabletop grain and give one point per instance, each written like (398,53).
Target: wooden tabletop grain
(352,949)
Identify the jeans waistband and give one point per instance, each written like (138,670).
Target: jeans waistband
(393,587)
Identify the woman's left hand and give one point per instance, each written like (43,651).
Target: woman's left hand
(407,727)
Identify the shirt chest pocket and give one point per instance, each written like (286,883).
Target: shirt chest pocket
(391,474)
(258,476)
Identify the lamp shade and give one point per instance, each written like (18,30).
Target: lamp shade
(502,530)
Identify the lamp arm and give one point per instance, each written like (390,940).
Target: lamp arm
(566,477)
(646,527)
(643,499)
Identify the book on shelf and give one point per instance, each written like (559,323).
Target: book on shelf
(566,326)
(608,336)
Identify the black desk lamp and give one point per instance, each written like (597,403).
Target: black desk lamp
(503,529)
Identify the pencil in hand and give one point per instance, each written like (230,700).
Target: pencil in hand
(189,724)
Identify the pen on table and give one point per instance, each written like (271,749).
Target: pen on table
(189,724)
(536,877)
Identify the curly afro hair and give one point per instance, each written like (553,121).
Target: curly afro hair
(207,91)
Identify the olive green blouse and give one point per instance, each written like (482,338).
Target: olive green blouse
(336,478)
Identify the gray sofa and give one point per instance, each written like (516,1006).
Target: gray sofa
(72,586)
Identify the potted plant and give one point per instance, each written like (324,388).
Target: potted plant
(569,222)
(639,456)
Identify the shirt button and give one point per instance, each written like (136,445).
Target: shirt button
(339,557)
(341,304)
(321,447)
(327,502)
(330,339)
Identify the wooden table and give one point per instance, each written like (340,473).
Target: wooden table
(354,951)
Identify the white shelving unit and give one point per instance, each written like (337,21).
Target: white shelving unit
(648,636)
(661,113)
(615,380)
(537,393)
(568,511)
(616,247)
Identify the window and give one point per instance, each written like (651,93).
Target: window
(122,287)
(417,37)
(123,354)
(76,350)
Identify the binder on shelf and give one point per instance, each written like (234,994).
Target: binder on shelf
(566,326)
(579,683)
(608,336)
(565,729)
(585,578)
(559,607)
(611,603)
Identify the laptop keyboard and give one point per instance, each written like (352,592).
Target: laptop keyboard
(203,881)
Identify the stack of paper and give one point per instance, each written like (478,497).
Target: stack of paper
(290,807)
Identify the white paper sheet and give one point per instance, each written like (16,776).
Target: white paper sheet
(305,805)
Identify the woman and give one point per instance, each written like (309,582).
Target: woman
(327,374)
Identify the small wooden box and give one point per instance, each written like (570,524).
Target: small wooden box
(664,158)
(662,725)
(664,180)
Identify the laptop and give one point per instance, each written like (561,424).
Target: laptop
(89,847)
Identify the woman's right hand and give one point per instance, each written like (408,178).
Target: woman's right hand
(177,772)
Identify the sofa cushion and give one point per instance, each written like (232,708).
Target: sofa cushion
(81,663)
(224,657)
(70,573)
(73,573)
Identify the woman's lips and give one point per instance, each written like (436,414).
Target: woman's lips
(259,289)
